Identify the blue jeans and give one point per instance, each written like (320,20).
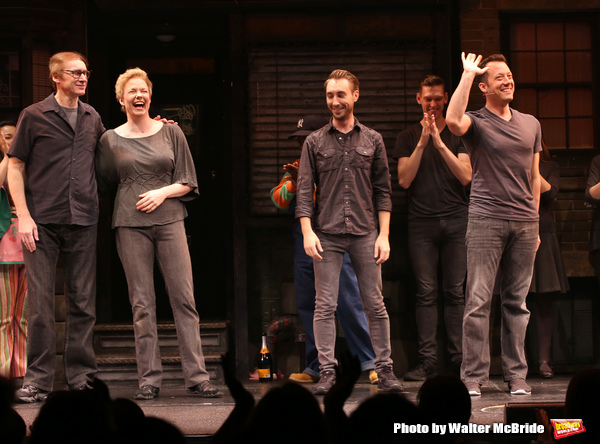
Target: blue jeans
(493,245)
(77,245)
(138,248)
(350,311)
(327,280)
(434,242)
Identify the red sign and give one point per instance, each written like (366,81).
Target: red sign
(567,427)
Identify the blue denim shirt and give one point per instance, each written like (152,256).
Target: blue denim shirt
(352,179)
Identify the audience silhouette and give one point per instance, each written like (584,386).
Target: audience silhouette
(286,413)
(12,426)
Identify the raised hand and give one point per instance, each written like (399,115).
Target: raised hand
(243,398)
(292,168)
(471,63)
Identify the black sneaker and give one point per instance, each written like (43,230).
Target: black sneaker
(545,371)
(146,392)
(419,373)
(30,393)
(388,381)
(454,368)
(205,389)
(326,381)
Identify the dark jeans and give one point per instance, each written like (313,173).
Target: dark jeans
(77,245)
(493,245)
(350,311)
(433,243)
(327,280)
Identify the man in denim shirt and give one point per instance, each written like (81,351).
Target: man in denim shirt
(348,164)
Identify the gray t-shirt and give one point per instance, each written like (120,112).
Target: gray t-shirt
(501,155)
(71,116)
(142,164)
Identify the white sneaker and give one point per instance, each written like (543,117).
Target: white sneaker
(519,387)
(474,388)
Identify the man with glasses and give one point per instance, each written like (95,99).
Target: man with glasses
(52,182)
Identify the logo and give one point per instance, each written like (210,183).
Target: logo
(300,123)
(567,427)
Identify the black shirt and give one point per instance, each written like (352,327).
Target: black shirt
(60,183)
(550,171)
(435,191)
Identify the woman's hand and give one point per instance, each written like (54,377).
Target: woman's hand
(151,200)
(165,120)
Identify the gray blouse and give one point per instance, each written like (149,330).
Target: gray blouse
(143,164)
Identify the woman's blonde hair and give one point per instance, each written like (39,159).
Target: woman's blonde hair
(133,73)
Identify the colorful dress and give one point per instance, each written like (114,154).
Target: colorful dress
(13,292)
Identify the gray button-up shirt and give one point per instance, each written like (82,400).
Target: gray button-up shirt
(60,182)
(352,180)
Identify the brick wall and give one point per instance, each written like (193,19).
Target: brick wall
(573,215)
(480,26)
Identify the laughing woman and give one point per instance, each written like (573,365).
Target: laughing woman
(155,172)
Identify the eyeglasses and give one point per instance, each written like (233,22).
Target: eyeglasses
(77,73)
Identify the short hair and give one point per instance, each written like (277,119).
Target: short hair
(132,73)
(482,78)
(57,60)
(339,74)
(432,80)
(7,123)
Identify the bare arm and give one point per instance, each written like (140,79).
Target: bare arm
(4,162)
(456,119)
(151,200)
(595,191)
(3,169)
(312,244)
(536,185)
(459,166)
(382,244)
(536,179)
(16,181)
(409,166)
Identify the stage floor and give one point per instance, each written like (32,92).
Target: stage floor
(199,417)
